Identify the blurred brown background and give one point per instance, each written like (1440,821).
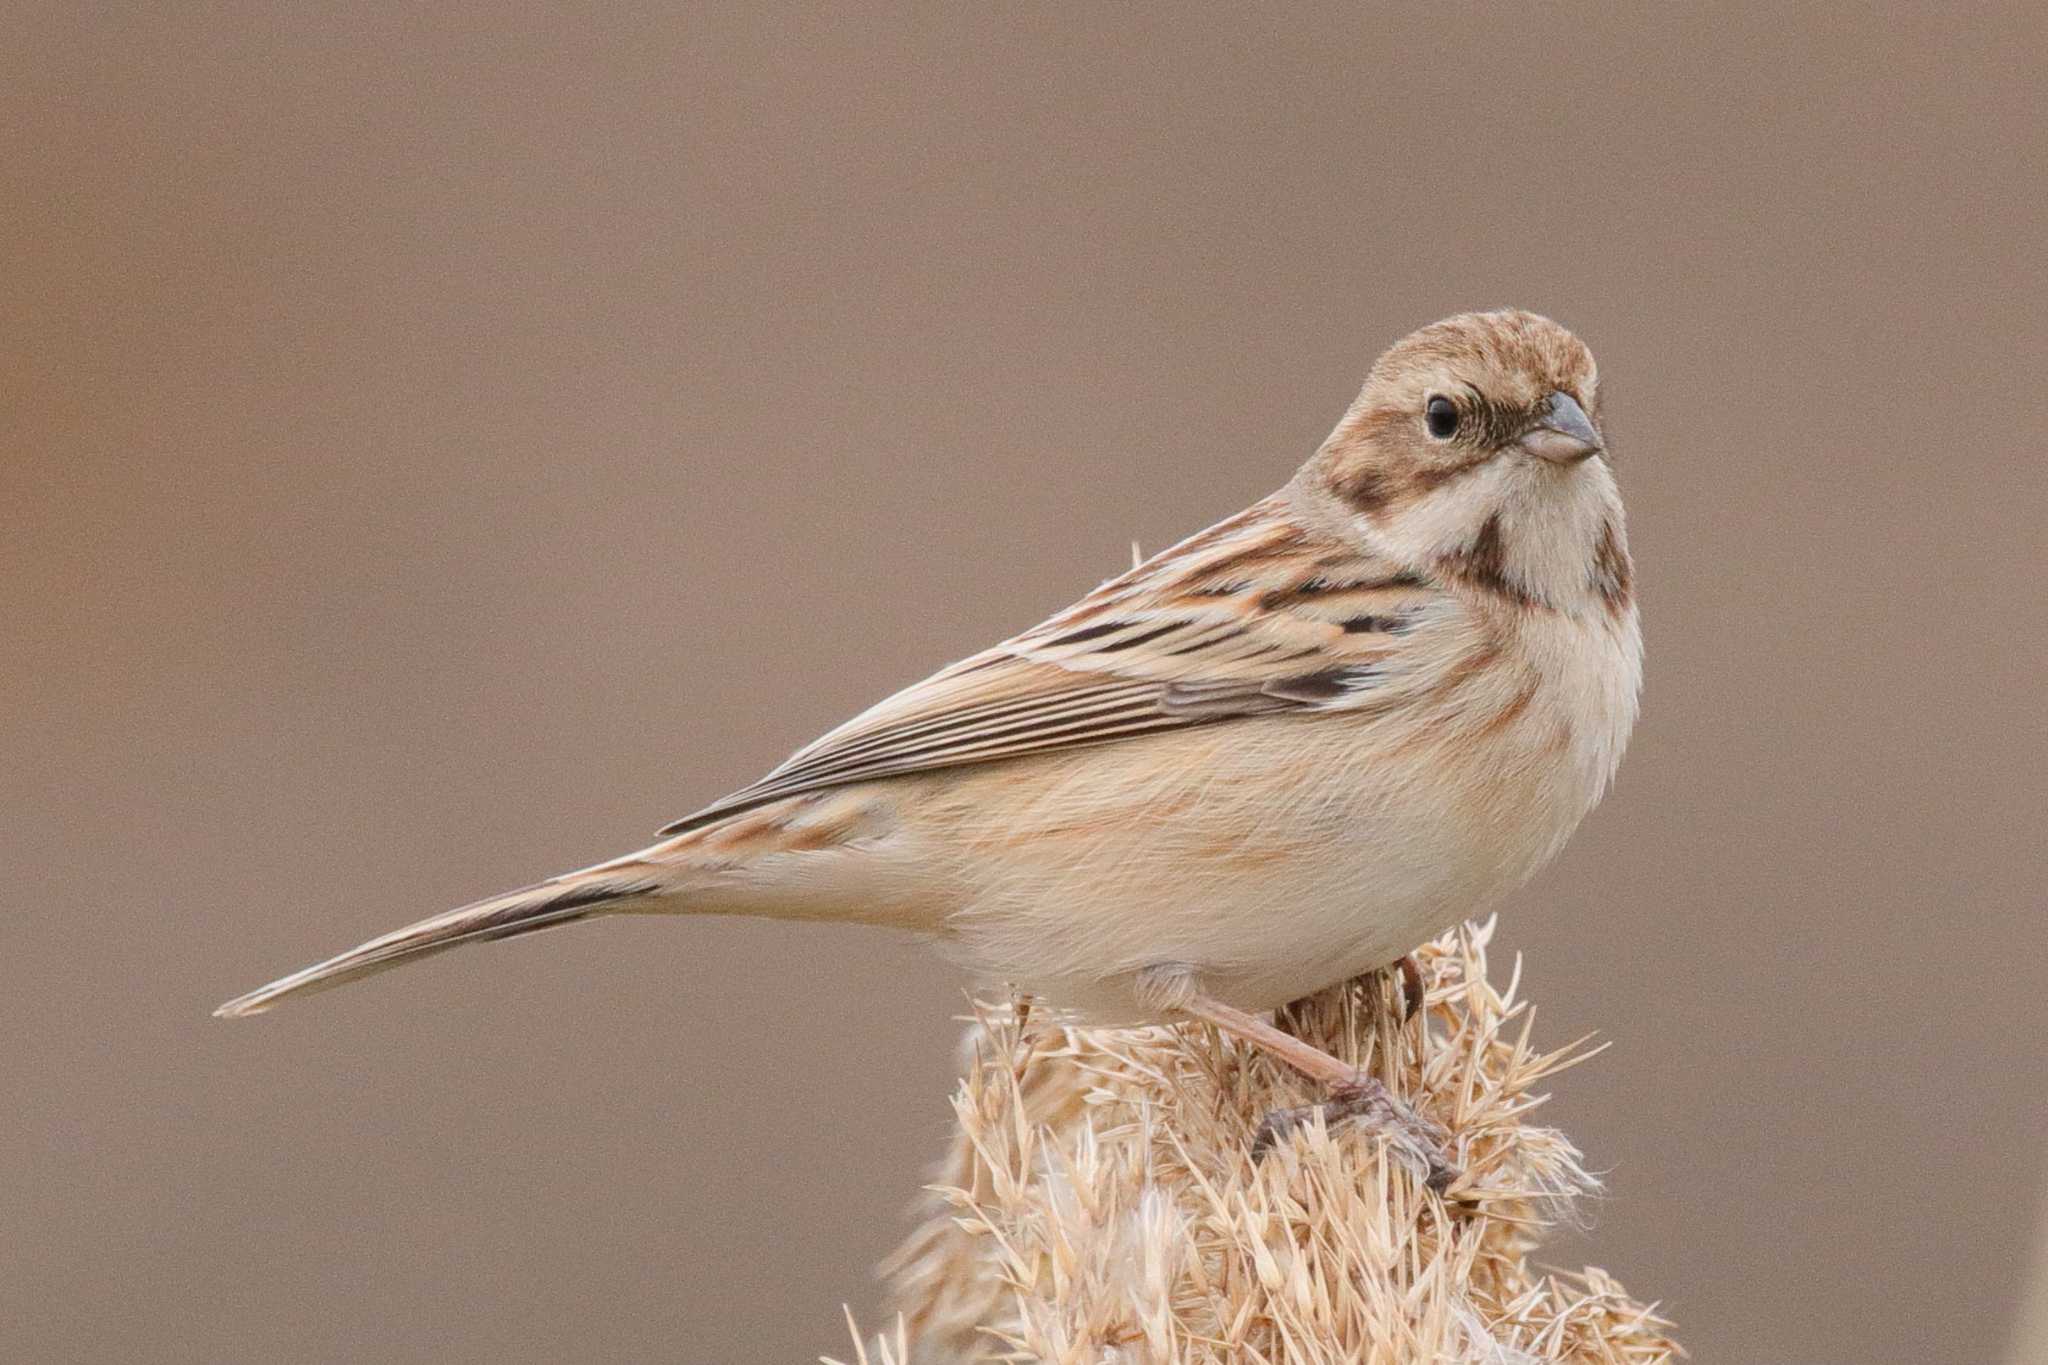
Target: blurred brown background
(443,443)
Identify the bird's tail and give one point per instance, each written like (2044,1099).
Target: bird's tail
(620,885)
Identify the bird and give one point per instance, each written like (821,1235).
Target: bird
(1275,756)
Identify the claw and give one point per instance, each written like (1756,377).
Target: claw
(1365,1100)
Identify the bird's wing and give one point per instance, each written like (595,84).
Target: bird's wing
(1254,616)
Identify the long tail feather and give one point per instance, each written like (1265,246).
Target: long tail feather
(562,900)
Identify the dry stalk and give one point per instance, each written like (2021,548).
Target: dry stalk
(1099,1204)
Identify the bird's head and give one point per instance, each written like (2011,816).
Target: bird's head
(1475,450)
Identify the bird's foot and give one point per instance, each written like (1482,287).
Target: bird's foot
(1364,1100)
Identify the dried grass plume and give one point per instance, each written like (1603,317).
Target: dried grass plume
(1099,1204)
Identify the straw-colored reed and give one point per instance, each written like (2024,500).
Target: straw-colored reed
(1100,1204)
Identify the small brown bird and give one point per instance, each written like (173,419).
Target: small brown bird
(1274,756)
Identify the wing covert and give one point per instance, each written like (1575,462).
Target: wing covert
(1254,616)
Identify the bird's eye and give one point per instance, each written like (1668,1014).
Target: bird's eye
(1440,415)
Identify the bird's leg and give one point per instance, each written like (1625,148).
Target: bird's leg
(1353,1094)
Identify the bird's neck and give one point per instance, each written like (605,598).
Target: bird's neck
(1529,534)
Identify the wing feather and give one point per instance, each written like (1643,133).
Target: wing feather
(1252,617)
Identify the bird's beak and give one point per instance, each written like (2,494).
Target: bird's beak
(1563,434)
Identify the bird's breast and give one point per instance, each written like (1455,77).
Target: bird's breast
(1273,854)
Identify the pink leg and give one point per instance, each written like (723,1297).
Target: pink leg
(1353,1095)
